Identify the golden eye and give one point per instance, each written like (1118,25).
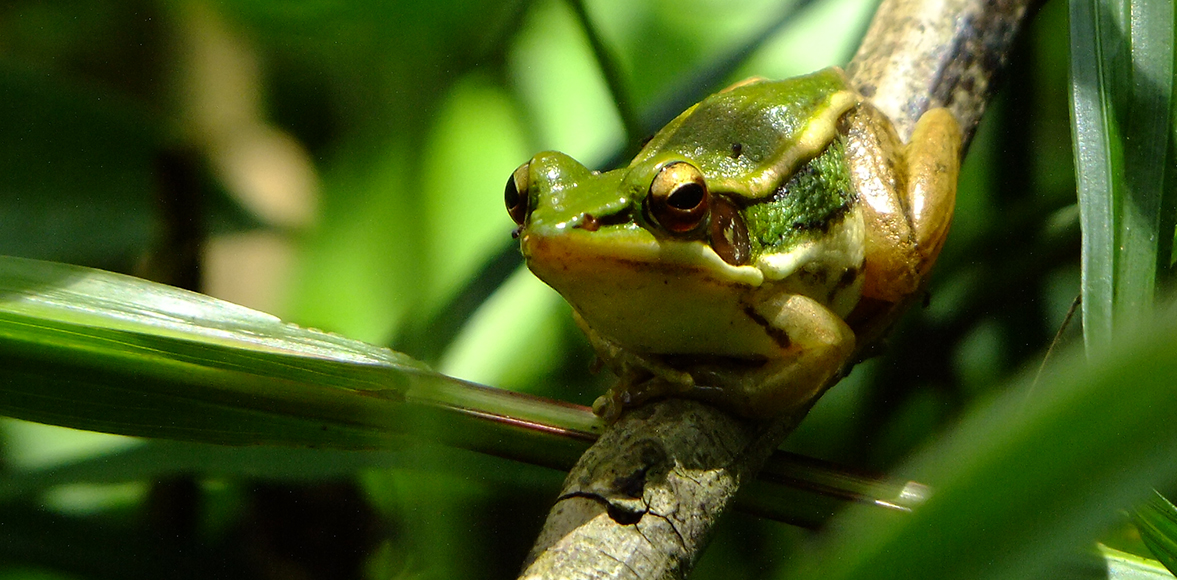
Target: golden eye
(516,196)
(678,199)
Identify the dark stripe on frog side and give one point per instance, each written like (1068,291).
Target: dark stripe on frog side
(779,336)
(849,275)
(847,279)
(818,195)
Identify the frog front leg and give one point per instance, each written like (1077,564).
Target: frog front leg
(640,377)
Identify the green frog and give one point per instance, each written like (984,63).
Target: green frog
(753,249)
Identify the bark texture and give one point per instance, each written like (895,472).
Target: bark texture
(921,54)
(641,503)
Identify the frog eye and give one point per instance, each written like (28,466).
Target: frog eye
(516,195)
(678,199)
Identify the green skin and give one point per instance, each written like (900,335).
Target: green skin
(759,329)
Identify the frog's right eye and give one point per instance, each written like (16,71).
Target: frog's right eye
(678,200)
(516,195)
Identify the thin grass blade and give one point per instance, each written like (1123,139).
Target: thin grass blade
(1122,76)
(94,350)
(1021,483)
(1157,521)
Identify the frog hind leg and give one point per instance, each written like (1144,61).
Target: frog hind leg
(908,193)
(875,157)
(933,165)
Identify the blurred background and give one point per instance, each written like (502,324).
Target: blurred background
(341,165)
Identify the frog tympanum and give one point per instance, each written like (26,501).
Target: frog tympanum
(751,250)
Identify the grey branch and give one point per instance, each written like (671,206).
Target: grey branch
(921,54)
(641,503)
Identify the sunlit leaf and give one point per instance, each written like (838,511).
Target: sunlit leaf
(95,350)
(1157,521)
(1024,482)
(1124,566)
(1122,70)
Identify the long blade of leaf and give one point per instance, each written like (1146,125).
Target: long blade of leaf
(1145,100)
(1022,482)
(95,350)
(1122,77)
(1157,521)
(1094,140)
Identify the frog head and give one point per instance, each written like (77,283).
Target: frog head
(658,255)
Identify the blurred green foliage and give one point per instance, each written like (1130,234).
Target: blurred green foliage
(341,165)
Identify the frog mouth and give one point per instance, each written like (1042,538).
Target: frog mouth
(615,278)
(599,246)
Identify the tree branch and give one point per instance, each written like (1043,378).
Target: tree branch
(641,503)
(921,54)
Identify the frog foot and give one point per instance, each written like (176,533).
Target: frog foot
(639,377)
(630,393)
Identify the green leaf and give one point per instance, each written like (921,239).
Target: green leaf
(101,351)
(1157,521)
(1122,70)
(1023,482)
(1125,566)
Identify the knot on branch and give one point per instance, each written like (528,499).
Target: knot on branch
(619,482)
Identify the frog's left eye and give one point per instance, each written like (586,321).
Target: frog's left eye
(516,195)
(678,199)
